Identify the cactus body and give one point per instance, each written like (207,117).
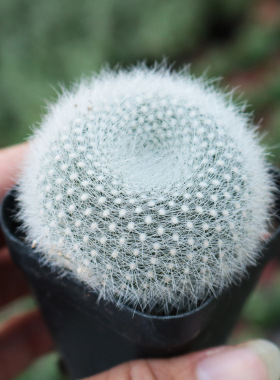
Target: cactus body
(149,186)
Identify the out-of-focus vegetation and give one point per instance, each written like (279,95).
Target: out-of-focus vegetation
(48,43)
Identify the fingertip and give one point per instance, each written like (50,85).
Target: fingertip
(254,360)
(10,161)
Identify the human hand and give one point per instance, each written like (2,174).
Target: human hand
(254,360)
(24,338)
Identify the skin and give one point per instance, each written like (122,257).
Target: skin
(24,337)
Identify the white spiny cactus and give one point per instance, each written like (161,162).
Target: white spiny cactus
(149,187)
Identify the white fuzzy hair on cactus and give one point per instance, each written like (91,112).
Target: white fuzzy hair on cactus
(148,185)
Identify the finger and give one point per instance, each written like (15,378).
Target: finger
(10,161)
(255,360)
(22,340)
(12,282)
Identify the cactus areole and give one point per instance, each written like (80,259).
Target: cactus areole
(149,189)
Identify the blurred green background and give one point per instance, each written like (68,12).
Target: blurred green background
(46,44)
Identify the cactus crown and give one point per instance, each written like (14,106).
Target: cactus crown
(149,187)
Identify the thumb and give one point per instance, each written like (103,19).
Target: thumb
(254,360)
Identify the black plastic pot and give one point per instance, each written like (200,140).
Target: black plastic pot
(93,336)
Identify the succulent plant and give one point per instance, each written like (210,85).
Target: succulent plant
(149,186)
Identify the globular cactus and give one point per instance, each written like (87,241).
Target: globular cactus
(149,187)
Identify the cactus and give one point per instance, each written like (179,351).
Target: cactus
(149,186)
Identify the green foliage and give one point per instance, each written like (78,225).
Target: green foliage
(263,308)
(46,368)
(44,43)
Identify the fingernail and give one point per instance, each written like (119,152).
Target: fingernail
(255,360)
(270,355)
